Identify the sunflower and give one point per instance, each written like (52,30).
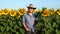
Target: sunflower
(22,11)
(58,12)
(1,12)
(17,14)
(45,13)
(5,11)
(52,11)
(12,12)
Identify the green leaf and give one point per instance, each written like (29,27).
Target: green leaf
(22,30)
(17,33)
(8,28)
(57,31)
(2,29)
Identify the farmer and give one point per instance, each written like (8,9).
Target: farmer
(28,20)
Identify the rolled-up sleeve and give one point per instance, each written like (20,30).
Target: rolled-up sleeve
(23,19)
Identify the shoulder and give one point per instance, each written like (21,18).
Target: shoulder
(33,14)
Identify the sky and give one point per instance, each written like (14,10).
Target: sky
(16,4)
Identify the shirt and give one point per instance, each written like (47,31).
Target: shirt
(29,21)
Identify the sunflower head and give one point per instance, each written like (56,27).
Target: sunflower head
(52,11)
(5,11)
(22,11)
(12,12)
(17,14)
(1,12)
(45,13)
(58,12)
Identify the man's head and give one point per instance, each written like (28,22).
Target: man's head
(31,8)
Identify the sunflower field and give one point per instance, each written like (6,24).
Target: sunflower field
(48,21)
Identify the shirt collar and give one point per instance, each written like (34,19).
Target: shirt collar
(28,14)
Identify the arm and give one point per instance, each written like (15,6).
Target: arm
(24,25)
(27,29)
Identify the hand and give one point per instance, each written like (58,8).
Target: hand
(27,29)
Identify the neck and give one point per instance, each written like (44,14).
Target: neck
(30,14)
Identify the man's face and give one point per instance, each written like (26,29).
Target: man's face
(30,10)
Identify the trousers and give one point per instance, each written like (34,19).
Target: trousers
(28,32)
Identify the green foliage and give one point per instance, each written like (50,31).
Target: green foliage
(11,25)
(48,25)
(45,24)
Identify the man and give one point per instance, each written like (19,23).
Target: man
(28,20)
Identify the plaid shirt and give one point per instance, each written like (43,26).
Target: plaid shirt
(29,21)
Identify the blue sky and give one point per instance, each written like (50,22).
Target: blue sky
(16,4)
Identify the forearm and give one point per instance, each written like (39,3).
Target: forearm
(25,26)
(27,29)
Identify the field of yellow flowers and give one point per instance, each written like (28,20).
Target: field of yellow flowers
(48,21)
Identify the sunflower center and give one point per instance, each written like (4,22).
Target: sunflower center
(5,11)
(12,12)
(0,12)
